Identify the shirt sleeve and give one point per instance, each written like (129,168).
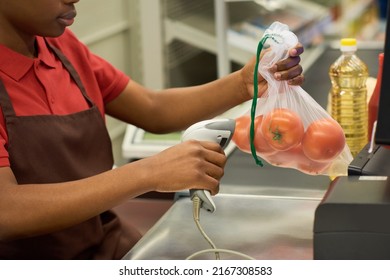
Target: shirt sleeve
(111,81)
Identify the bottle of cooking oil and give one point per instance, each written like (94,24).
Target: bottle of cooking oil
(348,75)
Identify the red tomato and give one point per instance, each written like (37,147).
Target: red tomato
(312,167)
(241,133)
(282,128)
(324,140)
(295,158)
(261,145)
(288,158)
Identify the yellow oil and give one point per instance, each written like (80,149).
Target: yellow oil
(348,75)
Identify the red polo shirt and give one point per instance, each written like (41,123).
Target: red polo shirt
(43,86)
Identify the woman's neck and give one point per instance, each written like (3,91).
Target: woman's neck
(21,43)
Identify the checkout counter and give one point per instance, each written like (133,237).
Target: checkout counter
(264,212)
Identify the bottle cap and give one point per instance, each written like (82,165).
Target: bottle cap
(348,44)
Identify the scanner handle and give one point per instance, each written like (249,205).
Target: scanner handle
(215,130)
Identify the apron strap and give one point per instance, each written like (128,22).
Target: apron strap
(5,102)
(72,72)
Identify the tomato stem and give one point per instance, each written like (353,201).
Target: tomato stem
(277,135)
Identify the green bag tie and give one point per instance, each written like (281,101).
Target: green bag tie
(254,100)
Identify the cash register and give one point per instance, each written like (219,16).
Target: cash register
(353,219)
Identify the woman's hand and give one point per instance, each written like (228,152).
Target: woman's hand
(287,69)
(189,165)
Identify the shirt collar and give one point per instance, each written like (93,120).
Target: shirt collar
(16,65)
(45,54)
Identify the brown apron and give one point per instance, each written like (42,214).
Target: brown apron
(58,148)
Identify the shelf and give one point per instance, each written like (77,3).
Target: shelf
(358,18)
(355,9)
(198,28)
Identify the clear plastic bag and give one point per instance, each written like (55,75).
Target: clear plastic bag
(285,126)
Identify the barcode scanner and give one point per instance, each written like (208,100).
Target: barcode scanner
(215,130)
